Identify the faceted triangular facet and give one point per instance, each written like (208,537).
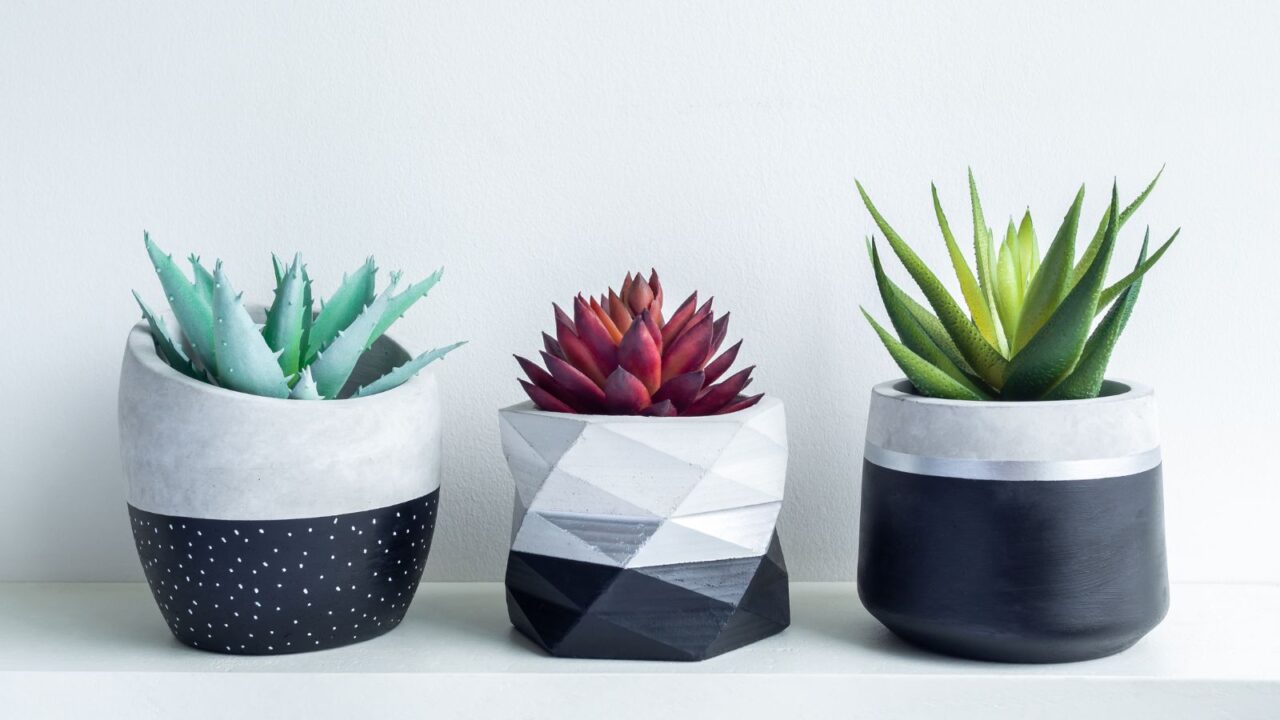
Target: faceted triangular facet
(610,535)
(749,527)
(538,536)
(550,435)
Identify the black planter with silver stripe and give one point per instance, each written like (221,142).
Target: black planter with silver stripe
(1014,532)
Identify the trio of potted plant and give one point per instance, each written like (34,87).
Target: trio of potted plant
(1011,497)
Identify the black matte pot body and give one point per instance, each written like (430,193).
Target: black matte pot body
(1013,571)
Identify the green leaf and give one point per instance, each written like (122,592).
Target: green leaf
(204,280)
(285,319)
(401,374)
(981,356)
(1086,380)
(1089,252)
(912,334)
(308,318)
(1054,351)
(1008,285)
(1111,292)
(277,268)
(245,363)
(1028,255)
(192,312)
(305,388)
(351,297)
(1052,281)
(165,346)
(985,252)
(398,305)
(334,364)
(926,378)
(969,287)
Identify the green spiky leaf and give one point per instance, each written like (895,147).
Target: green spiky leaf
(335,363)
(305,388)
(401,374)
(1008,285)
(981,356)
(351,298)
(398,305)
(1028,255)
(1092,249)
(204,279)
(1085,381)
(245,363)
(1053,352)
(193,314)
(927,379)
(1053,280)
(986,258)
(168,349)
(969,287)
(285,319)
(1120,285)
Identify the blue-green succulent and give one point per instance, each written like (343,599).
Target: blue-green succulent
(300,352)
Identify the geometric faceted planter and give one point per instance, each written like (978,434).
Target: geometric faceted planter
(270,526)
(1014,531)
(646,537)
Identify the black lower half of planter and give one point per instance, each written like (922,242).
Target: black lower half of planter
(263,587)
(687,611)
(1013,571)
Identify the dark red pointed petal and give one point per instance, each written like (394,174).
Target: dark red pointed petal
(718,331)
(638,353)
(553,346)
(661,409)
(624,394)
(614,333)
(678,320)
(681,390)
(639,296)
(543,380)
(562,317)
(717,367)
(595,336)
(741,403)
(718,396)
(579,355)
(544,400)
(578,387)
(656,306)
(689,350)
(618,311)
(655,331)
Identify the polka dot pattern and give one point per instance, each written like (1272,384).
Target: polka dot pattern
(263,587)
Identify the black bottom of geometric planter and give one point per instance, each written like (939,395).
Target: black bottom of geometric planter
(1013,571)
(689,611)
(269,587)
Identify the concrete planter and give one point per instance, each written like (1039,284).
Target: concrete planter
(646,538)
(1014,531)
(271,526)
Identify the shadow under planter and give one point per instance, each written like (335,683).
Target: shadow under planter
(646,538)
(1014,532)
(269,526)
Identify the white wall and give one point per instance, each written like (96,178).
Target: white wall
(539,149)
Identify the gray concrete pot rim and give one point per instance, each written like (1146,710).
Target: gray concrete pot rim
(527,407)
(142,348)
(894,390)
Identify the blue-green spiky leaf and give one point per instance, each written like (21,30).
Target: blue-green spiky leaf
(192,312)
(401,374)
(350,299)
(335,363)
(165,346)
(244,362)
(285,319)
(398,305)
(204,279)
(305,388)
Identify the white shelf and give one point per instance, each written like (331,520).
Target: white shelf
(102,650)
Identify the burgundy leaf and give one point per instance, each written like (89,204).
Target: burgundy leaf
(717,396)
(614,333)
(553,346)
(698,316)
(595,336)
(577,353)
(544,399)
(656,306)
(655,331)
(717,367)
(681,317)
(639,355)
(562,318)
(689,350)
(681,390)
(660,409)
(579,389)
(624,394)
(742,403)
(719,330)
(618,311)
(638,295)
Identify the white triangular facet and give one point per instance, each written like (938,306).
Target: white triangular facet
(748,527)
(539,536)
(617,537)
(528,468)
(699,448)
(755,461)
(632,471)
(675,543)
(550,435)
(717,492)
(566,493)
(771,421)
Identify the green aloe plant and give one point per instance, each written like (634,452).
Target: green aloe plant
(300,353)
(1029,331)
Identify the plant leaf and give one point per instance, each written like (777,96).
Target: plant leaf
(285,319)
(1089,252)
(308,318)
(204,279)
(165,346)
(912,335)
(406,371)
(1086,380)
(334,364)
(1028,254)
(245,363)
(351,297)
(1053,352)
(398,305)
(1008,287)
(981,356)
(1111,292)
(986,263)
(1052,280)
(927,379)
(305,388)
(969,287)
(192,312)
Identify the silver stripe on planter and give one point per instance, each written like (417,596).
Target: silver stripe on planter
(972,469)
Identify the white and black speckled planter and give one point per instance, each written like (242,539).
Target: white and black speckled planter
(271,526)
(1014,531)
(646,538)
